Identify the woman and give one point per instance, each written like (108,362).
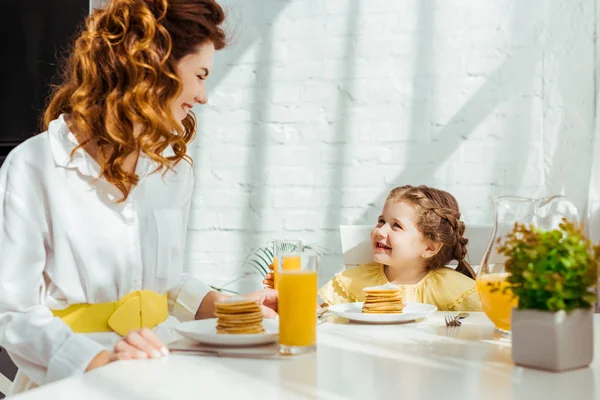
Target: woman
(95,209)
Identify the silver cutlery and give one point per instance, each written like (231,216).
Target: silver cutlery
(323,312)
(221,353)
(455,320)
(322,315)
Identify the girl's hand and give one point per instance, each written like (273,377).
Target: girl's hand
(269,301)
(269,280)
(267,298)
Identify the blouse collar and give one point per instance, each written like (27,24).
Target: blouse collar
(63,142)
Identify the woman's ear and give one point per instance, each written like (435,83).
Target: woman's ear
(431,249)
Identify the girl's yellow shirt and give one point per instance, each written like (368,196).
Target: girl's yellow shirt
(443,287)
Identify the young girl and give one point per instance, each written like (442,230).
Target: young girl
(417,234)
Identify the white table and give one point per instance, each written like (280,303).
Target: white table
(423,360)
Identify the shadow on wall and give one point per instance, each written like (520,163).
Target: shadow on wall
(569,126)
(483,102)
(344,103)
(249,24)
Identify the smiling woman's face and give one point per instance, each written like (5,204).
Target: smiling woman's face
(193,70)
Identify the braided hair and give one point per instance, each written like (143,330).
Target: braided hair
(439,222)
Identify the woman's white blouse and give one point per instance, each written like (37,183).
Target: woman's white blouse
(64,239)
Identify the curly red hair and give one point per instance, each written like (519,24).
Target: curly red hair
(121,74)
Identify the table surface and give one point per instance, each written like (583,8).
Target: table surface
(418,360)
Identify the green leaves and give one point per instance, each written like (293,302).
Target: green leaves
(551,270)
(261,257)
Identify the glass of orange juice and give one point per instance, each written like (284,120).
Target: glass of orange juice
(285,246)
(297,305)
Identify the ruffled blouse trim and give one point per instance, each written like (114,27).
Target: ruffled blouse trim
(351,297)
(325,297)
(461,298)
(329,295)
(353,281)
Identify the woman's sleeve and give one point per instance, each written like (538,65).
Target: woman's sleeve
(43,346)
(184,300)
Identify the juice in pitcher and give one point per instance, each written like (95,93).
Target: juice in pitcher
(297,307)
(544,214)
(496,301)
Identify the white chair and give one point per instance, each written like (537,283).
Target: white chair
(6,365)
(5,385)
(356,244)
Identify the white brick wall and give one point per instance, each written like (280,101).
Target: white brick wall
(320,107)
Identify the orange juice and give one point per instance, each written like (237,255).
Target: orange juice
(297,308)
(497,304)
(289,263)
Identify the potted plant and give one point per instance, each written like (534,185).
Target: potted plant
(553,274)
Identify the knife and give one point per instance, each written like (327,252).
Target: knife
(220,353)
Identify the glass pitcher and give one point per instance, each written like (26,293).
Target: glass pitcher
(546,214)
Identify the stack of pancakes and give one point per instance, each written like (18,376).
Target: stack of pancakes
(239,317)
(383,300)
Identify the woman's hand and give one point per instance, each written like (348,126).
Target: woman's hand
(269,280)
(139,344)
(101,359)
(136,345)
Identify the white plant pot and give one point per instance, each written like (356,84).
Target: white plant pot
(554,341)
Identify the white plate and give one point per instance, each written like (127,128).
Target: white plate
(205,331)
(411,312)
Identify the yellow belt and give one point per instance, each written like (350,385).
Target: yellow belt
(139,309)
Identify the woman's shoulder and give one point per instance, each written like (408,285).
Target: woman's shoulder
(40,151)
(30,149)
(28,157)
(27,173)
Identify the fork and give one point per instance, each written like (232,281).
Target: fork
(322,315)
(455,321)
